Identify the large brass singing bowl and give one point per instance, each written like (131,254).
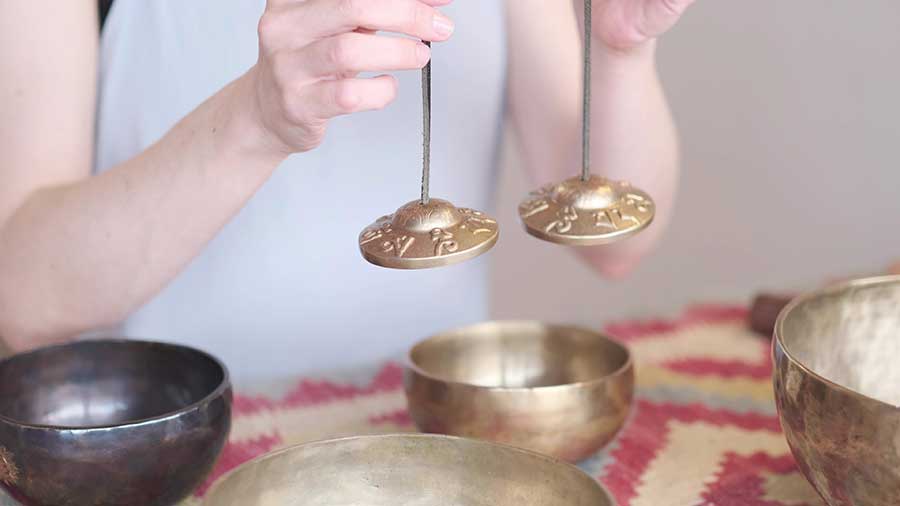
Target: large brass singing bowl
(409,470)
(558,390)
(837,385)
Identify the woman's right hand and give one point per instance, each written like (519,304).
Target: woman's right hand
(311,51)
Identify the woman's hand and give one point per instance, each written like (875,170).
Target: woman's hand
(129,220)
(626,25)
(311,51)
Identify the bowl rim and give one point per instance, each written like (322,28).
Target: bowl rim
(626,366)
(218,391)
(831,289)
(407,435)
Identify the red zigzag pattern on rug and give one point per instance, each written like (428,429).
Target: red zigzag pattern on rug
(647,433)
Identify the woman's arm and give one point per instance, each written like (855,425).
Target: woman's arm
(633,136)
(80,252)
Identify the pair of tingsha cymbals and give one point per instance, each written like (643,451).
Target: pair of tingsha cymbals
(581,211)
(574,213)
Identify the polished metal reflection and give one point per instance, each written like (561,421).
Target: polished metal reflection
(422,236)
(428,232)
(559,390)
(110,423)
(586,212)
(410,469)
(837,385)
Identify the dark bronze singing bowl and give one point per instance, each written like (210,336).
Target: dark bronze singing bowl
(558,390)
(408,470)
(110,423)
(837,384)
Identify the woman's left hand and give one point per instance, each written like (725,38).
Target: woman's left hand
(626,25)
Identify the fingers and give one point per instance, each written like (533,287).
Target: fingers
(316,19)
(357,52)
(274,4)
(327,99)
(311,52)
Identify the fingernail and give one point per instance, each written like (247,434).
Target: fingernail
(442,25)
(423,53)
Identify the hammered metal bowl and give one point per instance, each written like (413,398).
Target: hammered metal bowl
(558,390)
(837,386)
(110,423)
(409,470)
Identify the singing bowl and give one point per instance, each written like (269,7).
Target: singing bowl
(837,384)
(558,390)
(110,423)
(410,470)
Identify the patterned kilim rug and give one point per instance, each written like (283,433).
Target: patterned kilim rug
(703,430)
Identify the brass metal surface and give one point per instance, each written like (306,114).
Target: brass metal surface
(559,390)
(435,234)
(586,213)
(835,376)
(588,210)
(409,469)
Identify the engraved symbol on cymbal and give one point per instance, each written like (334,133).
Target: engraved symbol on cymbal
(536,203)
(614,219)
(398,245)
(638,202)
(369,236)
(602,219)
(444,242)
(534,206)
(563,224)
(374,234)
(481,224)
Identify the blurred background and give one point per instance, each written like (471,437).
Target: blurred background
(788,114)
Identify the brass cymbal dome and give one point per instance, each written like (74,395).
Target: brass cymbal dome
(424,235)
(579,212)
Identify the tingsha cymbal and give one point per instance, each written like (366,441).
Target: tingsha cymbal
(427,232)
(588,212)
(423,235)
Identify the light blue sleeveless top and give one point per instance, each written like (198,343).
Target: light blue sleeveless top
(283,289)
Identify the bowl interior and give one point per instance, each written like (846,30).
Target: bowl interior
(519,354)
(102,383)
(849,335)
(412,470)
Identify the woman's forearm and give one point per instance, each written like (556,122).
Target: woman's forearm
(83,255)
(633,136)
(544,87)
(80,252)
(633,139)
